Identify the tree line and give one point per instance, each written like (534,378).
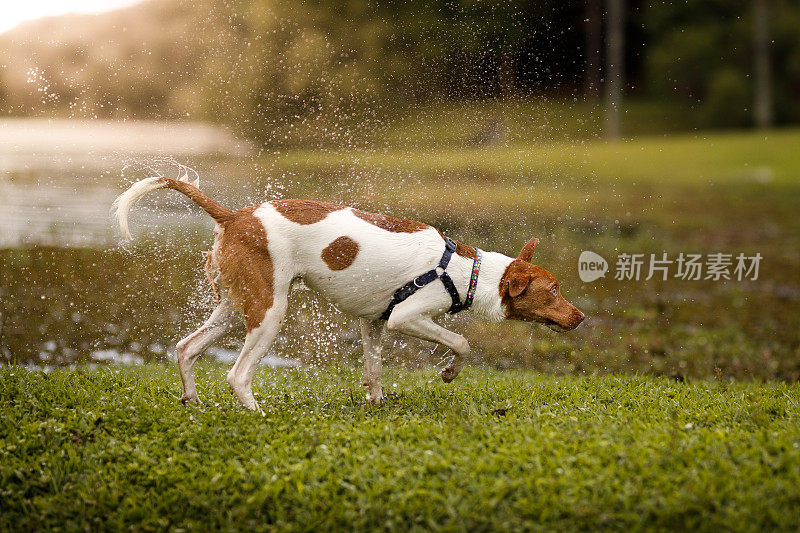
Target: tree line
(269,66)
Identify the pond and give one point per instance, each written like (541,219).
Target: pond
(59,242)
(59,177)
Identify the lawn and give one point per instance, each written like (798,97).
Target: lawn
(689,158)
(108,448)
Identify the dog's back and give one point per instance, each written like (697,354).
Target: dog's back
(353,258)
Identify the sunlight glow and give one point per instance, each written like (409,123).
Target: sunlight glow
(13,13)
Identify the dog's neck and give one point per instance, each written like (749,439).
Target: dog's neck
(487,301)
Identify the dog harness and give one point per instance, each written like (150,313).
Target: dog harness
(440,272)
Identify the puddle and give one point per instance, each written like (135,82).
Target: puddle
(224,355)
(117,357)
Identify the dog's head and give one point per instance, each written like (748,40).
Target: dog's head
(531,293)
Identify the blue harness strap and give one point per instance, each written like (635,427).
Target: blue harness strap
(420,281)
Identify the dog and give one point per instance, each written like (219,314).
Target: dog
(391,273)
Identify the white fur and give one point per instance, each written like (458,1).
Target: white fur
(385,261)
(123,203)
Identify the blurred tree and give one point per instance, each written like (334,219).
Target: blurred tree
(707,54)
(288,71)
(125,63)
(280,74)
(762,106)
(615,68)
(317,73)
(594,43)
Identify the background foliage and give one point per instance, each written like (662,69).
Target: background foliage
(283,72)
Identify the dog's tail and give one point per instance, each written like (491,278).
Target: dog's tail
(122,205)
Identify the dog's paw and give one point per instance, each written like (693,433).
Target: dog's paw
(186,398)
(375,398)
(450,373)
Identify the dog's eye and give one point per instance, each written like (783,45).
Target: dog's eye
(554,290)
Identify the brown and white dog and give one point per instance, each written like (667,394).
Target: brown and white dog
(355,259)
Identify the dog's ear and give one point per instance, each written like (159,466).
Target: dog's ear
(527,251)
(518,283)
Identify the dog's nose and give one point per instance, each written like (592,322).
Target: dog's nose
(581,316)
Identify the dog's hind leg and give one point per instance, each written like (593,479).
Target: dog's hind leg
(219,323)
(258,341)
(371,338)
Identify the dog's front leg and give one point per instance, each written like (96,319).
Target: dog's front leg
(371,338)
(423,327)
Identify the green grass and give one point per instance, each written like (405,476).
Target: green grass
(113,449)
(527,120)
(710,157)
(454,123)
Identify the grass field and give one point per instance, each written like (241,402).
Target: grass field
(109,448)
(452,124)
(689,158)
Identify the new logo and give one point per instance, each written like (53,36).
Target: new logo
(591,266)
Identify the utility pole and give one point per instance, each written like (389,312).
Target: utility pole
(762,106)
(615,65)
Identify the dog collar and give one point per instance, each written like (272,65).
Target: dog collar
(473,280)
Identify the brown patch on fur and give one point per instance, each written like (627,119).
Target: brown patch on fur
(340,254)
(526,293)
(245,266)
(305,211)
(395,225)
(218,212)
(464,250)
(311,211)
